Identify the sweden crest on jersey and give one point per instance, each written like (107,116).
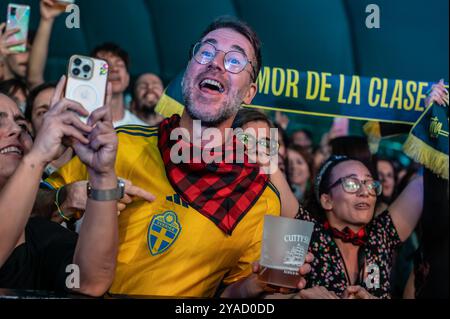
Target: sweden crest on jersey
(163,232)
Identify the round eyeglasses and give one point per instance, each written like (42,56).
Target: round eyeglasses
(269,147)
(234,61)
(353,185)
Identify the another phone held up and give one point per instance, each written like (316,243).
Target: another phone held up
(87,79)
(18,17)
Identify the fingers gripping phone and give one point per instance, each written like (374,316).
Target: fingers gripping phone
(87,79)
(18,16)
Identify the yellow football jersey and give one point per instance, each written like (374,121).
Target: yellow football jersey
(167,248)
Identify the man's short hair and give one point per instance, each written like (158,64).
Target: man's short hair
(228,22)
(113,49)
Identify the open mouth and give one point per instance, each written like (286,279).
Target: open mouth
(211,85)
(14,150)
(362,206)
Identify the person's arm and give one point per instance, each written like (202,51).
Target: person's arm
(406,210)
(289,204)
(39,50)
(16,202)
(19,193)
(97,245)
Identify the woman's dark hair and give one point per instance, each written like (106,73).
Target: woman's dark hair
(10,87)
(32,97)
(228,22)
(247,115)
(355,147)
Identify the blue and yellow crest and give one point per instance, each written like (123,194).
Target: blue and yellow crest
(163,232)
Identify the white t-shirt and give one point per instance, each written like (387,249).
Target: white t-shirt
(129,119)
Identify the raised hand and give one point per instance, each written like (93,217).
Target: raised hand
(5,45)
(61,123)
(49,11)
(438,94)
(99,154)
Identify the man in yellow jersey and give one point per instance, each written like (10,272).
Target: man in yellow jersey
(205,227)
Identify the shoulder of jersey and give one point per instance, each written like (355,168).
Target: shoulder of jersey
(138,131)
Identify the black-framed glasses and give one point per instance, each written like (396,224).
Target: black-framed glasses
(234,61)
(270,147)
(352,185)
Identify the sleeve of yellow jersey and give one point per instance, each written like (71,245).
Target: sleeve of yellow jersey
(244,266)
(73,171)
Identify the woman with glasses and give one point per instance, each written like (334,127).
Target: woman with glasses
(256,136)
(353,250)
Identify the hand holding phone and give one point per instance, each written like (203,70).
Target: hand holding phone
(17,24)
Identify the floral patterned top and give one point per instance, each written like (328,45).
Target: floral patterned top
(328,266)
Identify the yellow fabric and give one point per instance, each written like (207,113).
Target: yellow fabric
(423,153)
(200,257)
(167,106)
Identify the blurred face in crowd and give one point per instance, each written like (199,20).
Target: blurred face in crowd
(298,170)
(349,209)
(40,107)
(17,64)
(260,130)
(387,177)
(118,73)
(15,140)
(215,103)
(148,91)
(300,138)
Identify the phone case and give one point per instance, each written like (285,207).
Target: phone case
(18,16)
(89,92)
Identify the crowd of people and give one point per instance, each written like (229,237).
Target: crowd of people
(106,196)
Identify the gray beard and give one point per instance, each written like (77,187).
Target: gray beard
(227,110)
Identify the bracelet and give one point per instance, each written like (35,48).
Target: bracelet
(60,212)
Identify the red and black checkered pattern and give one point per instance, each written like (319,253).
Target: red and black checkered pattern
(223,191)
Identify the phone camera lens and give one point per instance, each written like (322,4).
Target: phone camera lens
(77,61)
(76,71)
(86,68)
(13,11)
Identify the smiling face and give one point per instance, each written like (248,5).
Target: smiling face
(345,209)
(118,74)
(298,169)
(148,90)
(211,93)
(15,140)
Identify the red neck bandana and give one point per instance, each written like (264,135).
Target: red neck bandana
(223,192)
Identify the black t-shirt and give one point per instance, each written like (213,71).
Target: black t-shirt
(40,263)
(435,238)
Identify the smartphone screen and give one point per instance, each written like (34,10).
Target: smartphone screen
(18,16)
(87,79)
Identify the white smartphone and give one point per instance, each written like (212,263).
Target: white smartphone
(87,79)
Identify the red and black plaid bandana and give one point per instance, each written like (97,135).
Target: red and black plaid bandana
(220,191)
